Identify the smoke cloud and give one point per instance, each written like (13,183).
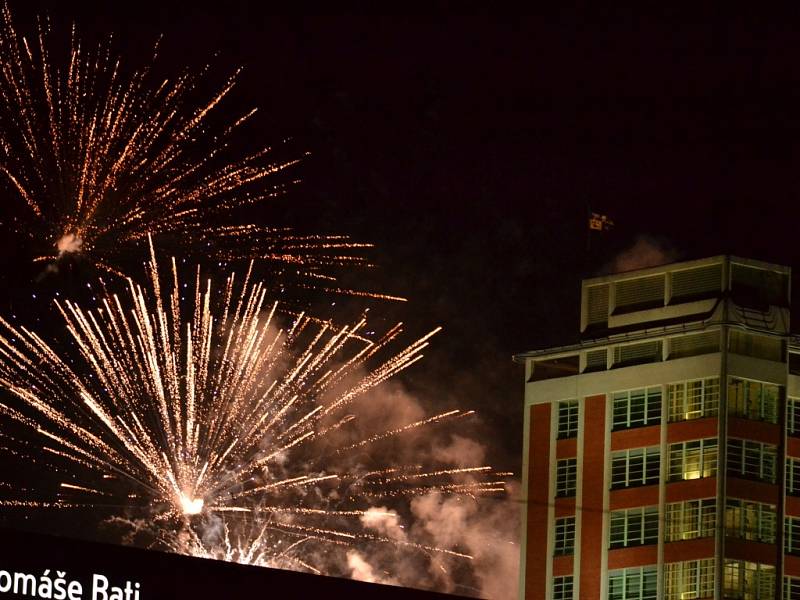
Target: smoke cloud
(69,243)
(645,252)
(486,530)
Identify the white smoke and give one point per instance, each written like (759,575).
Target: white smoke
(645,252)
(361,570)
(69,243)
(487,530)
(386,522)
(460,452)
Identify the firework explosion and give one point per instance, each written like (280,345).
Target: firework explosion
(203,405)
(100,160)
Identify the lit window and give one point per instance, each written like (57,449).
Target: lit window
(750,520)
(793,476)
(567,419)
(689,579)
(791,535)
(640,466)
(636,408)
(791,588)
(566,476)
(793,416)
(751,460)
(753,400)
(637,583)
(693,399)
(748,581)
(690,519)
(693,460)
(633,527)
(562,588)
(565,536)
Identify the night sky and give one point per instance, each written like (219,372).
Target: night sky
(468,150)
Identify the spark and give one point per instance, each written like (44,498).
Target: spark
(213,406)
(100,158)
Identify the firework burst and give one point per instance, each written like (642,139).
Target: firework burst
(100,160)
(205,404)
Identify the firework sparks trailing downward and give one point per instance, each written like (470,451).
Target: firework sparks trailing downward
(203,405)
(100,160)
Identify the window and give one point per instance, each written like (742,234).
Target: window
(690,519)
(597,305)
(791,535)
(638,354)
(693,399)
(640,293)
(757,346)
(633,527)
(750,520)
(565,536)
(794,363)
(566,475)
(748,581)
(689,579)
(596,360)
(753,400)
(562,588)
(630,468)
(793,476)
(751,460)
(553,368)
(793,417)
(694,344)
(637,583)
(567,419)
(693,460)
(636,408)
(791,588)
(695,284)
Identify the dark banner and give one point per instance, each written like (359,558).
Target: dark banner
(40,566)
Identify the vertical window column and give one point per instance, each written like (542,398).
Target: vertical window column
(567,419)
(566,476)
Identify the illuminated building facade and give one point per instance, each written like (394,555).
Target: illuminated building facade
(662,451)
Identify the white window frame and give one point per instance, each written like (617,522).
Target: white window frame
(793,417)
(650,456)
(653,403)
(791,535)
(633,527)
(563,587)
(564,536)
(762,516)
(689,579)
(762,468)
(627,576)
(791,588)
(566,477)
(792,476)
(740,576)
(754,410)
(568,419)
(690,519)
(681,459)
(681,406)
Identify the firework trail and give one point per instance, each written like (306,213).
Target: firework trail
(179,401)
(99,160)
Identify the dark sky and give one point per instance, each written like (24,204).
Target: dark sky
(468,151)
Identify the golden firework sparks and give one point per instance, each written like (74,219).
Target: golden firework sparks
(183,401)
(101,160)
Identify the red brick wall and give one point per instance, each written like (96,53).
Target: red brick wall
(538,499)
(593,486)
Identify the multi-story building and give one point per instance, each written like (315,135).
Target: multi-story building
(661,457)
